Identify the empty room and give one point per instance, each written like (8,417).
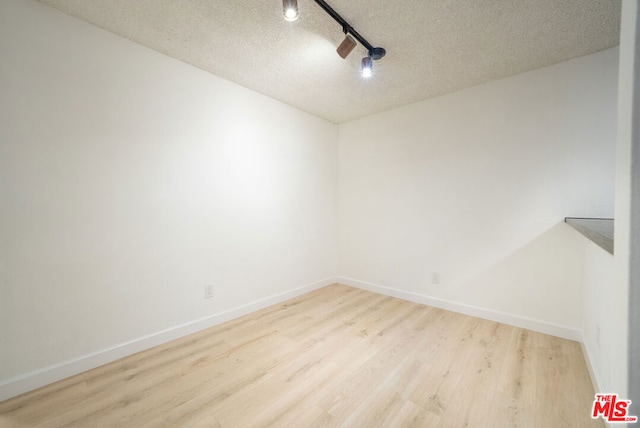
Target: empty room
(319,213)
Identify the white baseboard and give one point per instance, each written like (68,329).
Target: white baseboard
(36,379)
(488,314)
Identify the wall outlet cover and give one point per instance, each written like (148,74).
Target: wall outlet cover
(435,278)
(208,291)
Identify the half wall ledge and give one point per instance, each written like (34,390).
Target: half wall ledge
(598,230)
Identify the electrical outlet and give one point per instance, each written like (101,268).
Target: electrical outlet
(208,291)
(435,278)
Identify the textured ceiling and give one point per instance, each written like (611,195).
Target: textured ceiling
(433,46)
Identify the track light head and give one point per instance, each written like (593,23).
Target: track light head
(290,8)
(367,67)
(346,46)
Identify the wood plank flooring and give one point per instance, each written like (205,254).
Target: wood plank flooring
(335,357)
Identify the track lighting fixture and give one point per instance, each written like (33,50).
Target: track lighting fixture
(351,35)
(290,8)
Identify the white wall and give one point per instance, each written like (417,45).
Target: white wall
(631,34)
(623,310)
(600,340)
(475,184)
(129,180)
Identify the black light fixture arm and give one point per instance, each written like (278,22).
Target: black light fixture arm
(374,53)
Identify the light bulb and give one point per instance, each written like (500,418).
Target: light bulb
(291,15)
(290,9)
(367,67)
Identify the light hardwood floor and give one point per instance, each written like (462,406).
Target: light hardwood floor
(337,356)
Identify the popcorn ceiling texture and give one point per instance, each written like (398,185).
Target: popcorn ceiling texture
(433,46)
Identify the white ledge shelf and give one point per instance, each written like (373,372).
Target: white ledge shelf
(598,230)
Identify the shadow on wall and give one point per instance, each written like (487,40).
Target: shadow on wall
(541,280)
